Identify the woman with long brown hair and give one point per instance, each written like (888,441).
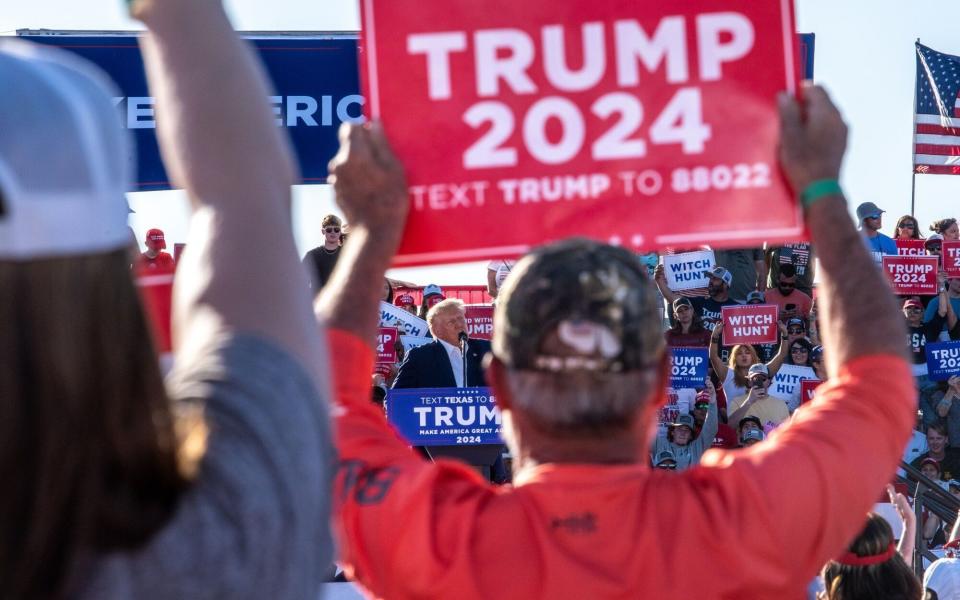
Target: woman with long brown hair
(907,229)
(873,567)
(115,485)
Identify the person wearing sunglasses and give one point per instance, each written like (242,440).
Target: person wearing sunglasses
(871,219)
(320,261)
(791,301)
(907,229)
(666,461)
(800,351)
(757,402)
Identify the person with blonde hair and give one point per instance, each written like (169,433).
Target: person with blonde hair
(733,373)
(116,486)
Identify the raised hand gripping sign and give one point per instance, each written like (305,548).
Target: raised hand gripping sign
(750,324)
(686,271)
(525,122)
(912,275)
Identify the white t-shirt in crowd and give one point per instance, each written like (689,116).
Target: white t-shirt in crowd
(502,269)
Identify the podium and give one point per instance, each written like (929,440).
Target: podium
(458,423)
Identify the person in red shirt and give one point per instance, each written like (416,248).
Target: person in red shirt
(155,259)
(792,302)
(578,369)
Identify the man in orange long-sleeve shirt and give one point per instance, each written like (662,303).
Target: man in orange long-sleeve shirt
(578,370)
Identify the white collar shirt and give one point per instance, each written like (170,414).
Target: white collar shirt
(456,361)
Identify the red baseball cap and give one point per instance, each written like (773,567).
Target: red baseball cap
(913,303)
(156,236)
(404,300)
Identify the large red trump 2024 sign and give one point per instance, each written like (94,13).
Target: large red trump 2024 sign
(646,124)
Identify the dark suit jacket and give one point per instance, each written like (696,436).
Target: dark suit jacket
(429,366)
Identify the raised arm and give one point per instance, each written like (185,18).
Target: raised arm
(660,278)
(777,361)
(719,367)
(219,142)
(861,418)
(371,190)
(854,295)
(908,536)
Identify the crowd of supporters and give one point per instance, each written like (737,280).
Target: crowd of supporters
(156,500)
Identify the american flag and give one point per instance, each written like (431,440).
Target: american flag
(936,139)
(795,254)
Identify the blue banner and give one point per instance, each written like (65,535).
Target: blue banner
(445,416)
(943,360)
(688,367)
(315,82)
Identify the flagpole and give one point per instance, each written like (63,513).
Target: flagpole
(913,169)
(913,194)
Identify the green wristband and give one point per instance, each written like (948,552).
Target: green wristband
(820,188)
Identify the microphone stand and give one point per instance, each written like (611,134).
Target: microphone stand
(463,355)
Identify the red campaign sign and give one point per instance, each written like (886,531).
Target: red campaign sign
(386,345)
(912,275)
(750,324)
(807,387)
(951,257)
(911,247)
(535,121)
(479,321)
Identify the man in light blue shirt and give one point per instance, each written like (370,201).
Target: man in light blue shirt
(871,219)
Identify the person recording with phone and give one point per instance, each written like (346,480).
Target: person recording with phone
(792,302)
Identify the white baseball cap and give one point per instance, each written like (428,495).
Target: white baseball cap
(943,577)
(65,160)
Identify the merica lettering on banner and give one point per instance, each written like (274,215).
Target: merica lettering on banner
(688,367)
(950,253)
(406,323)
(411,341)
(686,271)
(445,416)
(943,360)
(807,389)
(750,324)
(386,345)
(912,275)
(479,321)
(911,247)
(288,111)
(573,119)
(315,77)
(786,384)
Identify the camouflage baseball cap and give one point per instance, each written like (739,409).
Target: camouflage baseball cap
(578,305)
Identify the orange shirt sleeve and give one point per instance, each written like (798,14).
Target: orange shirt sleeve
(392,508)
(802,495)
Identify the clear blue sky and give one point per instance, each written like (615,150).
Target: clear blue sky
(864,55)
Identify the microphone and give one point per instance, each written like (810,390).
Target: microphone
(463,337)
